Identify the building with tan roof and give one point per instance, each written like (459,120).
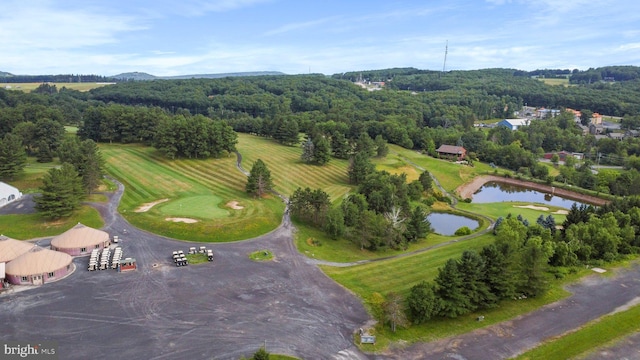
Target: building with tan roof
(80,240)
(11,249)
(38,266)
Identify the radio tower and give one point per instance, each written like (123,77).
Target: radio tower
(446,50)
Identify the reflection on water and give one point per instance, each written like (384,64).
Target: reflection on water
(497,192)
(447,224)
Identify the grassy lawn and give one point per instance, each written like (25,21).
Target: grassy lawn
(288,172)
(602,332)
(261,255)
(556,82)
(196,258)
(393,275)
(449,174)
(24,227)
(495,210)
(30,179)
(28,87)
(198,185)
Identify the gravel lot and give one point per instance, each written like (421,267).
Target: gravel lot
(220,310)
(231,307)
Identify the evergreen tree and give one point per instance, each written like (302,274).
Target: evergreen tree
(85,156)
(308,151)
(499,275)
(340,146)
(287,133)
(422,303)
(322,151)
(61,192)
(365,145)
(472,267)
(451,290)
(417,225)
(382,149)
(426,180)
(261,354)
(259,181)
(13,157)
(359,168)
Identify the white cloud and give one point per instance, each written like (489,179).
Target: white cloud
(36,25)
(300,25)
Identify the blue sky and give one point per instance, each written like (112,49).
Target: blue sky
(164,37)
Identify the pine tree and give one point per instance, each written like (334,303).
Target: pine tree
(61,192)
(359,168)
(13,157)
(451,290)
(308,151)
(322,152)
(259,181)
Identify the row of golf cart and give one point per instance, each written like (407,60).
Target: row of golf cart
(180,259)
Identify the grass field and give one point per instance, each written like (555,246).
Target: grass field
(28,87)
(556,82)
(599,333)
(288,172)
(495,210)
(400,274)
(449,174)
(25,227)
(149,177)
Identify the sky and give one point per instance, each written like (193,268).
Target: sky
(166,37)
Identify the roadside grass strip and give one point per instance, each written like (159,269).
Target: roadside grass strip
(590,338)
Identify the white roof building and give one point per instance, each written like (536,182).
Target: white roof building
(8,194)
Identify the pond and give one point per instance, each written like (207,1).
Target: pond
(496,192)
(447,224)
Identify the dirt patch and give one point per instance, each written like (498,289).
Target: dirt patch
(234,205)
(184,220)
(532,207)
(146,207)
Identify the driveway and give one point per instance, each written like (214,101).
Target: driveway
(221,310)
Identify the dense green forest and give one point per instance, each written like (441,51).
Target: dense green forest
(417,109)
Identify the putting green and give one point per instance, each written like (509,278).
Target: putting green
(202,207)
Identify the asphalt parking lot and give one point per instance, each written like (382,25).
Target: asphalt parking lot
(217,310)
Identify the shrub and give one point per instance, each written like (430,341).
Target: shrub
(463,231)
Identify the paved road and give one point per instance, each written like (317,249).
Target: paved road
(220,310)
(592,298)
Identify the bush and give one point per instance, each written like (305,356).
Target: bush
(467,200)
(463,231)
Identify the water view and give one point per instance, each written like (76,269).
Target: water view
(496,192)
(447,224)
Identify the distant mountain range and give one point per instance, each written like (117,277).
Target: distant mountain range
(144,76)
(129,76)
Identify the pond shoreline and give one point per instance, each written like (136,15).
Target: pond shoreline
(467,190)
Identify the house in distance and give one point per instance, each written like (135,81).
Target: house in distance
(451,152)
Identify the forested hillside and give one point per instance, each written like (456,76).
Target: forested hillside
(416,109)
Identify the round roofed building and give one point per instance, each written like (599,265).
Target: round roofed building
(38,266)
(80,240)
(11,249)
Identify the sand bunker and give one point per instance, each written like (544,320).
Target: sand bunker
(234,205)
(561,212)
(146,207)
(532,207)
(184,220)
